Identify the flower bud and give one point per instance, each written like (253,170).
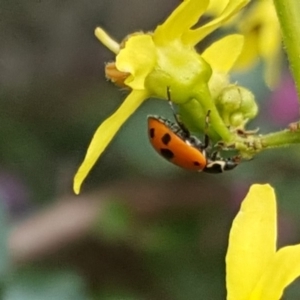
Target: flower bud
(236,106)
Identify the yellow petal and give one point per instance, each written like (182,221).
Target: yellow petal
(215,7)
(222,54)
(193,37)
(272,69)
(269,29)
(137,58)
(252,242)
(182,18)
(282,270)
(270,50)
(105,133)
(249,54)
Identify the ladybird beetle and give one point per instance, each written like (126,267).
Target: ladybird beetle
(175,143)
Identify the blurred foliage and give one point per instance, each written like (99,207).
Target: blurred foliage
(4,255)
(169,244)
(35,284)
(115,223)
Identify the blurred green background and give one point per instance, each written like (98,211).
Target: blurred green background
(141,228)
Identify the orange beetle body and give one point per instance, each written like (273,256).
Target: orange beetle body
(168,140)
(174,142)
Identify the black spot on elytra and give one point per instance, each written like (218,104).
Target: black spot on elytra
(166,139)
(151,132)
(196,163)
(166,153)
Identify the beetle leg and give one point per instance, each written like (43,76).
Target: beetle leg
(177,119)
(206,137)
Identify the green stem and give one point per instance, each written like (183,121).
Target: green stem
(280,139)
(288,14)
(215,121)
(193,117)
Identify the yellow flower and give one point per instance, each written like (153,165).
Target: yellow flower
(148,63)
(261,29)
(255,270)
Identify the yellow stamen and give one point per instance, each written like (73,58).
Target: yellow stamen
(106,40)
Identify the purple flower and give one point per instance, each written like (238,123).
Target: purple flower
(283,106)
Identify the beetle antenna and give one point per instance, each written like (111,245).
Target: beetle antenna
(171,104)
